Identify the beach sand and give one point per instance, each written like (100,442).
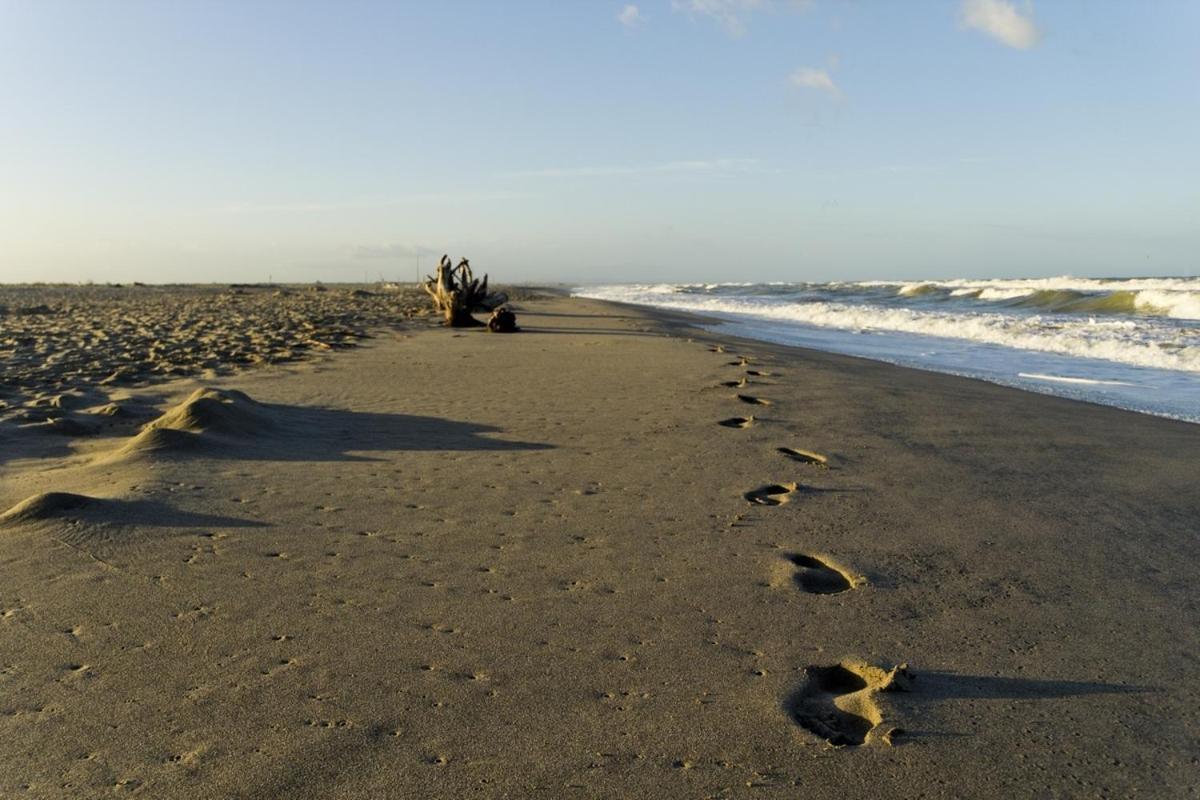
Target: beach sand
(456,564)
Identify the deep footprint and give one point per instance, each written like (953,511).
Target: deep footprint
(805,456)
(774,495)
(754,401)
(737,422)
(757,373)
(817,577)
(735,384)
(837,703)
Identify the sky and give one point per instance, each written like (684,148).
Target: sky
(594,141)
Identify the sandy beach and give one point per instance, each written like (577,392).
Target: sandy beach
(610,556)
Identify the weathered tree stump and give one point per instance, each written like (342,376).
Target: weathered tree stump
(503,321)
(456,293)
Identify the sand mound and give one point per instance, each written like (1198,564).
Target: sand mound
(206,413)
(159,440)
(109,410)
(216,410)
(45,506)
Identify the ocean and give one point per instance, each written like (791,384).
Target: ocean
(1131,343)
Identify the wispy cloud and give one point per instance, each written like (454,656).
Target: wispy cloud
(1002,21)
(709,166)
(731,14)
(814,78)
(630,16)
(727,12)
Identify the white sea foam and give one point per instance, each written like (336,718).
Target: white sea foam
(1060,283)
(1178,298)
(1120,340)
(1065,379)
(1096,346)
(995,292)
(1172,303)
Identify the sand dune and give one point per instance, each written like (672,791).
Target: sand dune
(45,505)
(217,417)
(223,411)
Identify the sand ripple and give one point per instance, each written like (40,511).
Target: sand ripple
(63,347)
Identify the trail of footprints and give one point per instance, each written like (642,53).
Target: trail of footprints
(837,703)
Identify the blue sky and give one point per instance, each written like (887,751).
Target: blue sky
(588,140)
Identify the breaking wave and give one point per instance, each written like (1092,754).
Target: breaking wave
(1146,324)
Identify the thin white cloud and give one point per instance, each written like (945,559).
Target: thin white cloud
(630,16)
(709,166)
(814,78)
(731,14)
(1002,21)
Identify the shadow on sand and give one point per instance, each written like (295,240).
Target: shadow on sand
(936,687)
(614,317)
(587,332)
(322,434)
(951,686)
(89,512)
(299,433)
(153,514)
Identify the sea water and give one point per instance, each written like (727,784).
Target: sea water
(1130,343)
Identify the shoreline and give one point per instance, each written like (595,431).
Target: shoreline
(450,563)
(1144,364)
(696,322)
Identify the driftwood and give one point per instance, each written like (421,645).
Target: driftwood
(503,321)
(456,293)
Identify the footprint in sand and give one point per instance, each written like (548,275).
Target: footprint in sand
(757,373)
(754,401)
(737,422)
(774,495)
(735,384)
(822,577)
(742,361)
(838,703)
(805,456)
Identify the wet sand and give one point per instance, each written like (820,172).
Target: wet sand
(611,556)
